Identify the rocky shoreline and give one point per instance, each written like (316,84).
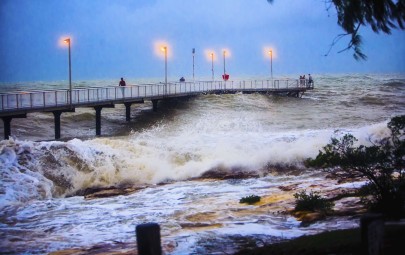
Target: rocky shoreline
(282,203)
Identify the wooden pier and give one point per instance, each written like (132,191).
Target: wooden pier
(20,103)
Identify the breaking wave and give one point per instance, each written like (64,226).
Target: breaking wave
(41,170)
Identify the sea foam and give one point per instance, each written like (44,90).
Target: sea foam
(40,170)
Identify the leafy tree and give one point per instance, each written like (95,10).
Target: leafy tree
(382,163)
(380,15)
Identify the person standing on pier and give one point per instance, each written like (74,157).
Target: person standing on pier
(122,84)
(302,80)
(310,80)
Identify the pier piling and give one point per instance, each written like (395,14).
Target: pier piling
(7,124)
(154,103)
(56,115)
(128,111)
(98,109)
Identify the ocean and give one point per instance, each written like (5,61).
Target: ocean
(187,165)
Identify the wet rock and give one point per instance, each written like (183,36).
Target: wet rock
(93,193)
(201,226)
(346,203)
(116,248)
(224,174)
(349,206)
(203,216)
(101,249)
(288,187)
(284,169)
(308,217)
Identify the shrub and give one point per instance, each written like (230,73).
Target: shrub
(382,164)
(250,199)
(312,202)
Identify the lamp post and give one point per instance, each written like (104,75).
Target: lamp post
(224,63)
(271,65)
(67,40)
(164,48)
(212,65)
(193,63)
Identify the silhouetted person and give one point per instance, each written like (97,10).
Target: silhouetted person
(122,84)
(310,80)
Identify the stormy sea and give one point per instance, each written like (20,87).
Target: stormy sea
(185,167)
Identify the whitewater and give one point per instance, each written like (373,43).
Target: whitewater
(188,165)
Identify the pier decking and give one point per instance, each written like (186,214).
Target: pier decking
(19,103)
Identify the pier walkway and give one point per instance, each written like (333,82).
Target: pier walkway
(18,104)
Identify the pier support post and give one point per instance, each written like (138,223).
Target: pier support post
(56,115)
(98,119)
(154,103)
(148,239)
(128,111)
(7,124)
(98,109)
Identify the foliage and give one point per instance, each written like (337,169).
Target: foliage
(382,163)
(346,241)
(250,199)
(312,202)
(380,15)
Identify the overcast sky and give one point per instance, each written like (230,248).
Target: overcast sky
(118,38)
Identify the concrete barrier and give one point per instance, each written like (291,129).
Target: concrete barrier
(148,239)
(372,234)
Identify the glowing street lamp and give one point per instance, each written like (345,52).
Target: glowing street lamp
(67,40)
(164,49)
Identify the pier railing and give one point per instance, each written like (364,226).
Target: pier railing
(42,99)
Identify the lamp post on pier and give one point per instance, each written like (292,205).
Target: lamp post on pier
(212,65)
(271,65)
(225,76)
(193,63)
(67,40)
(224,63)
(164,49)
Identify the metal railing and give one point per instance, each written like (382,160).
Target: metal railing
(35,99)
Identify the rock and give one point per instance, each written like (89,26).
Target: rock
(288,187)
(308,217)
(224,174)
(312,217)
(101,249)
(92,193)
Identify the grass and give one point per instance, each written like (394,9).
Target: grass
(341,242)
(334,242)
